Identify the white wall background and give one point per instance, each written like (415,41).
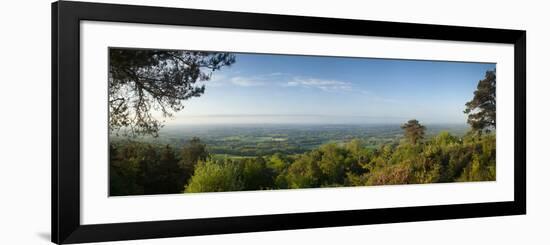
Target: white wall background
(25,121)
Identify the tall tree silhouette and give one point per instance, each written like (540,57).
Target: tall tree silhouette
(481,109)
(191,153)
(414,131)
(161,175)
(147,86)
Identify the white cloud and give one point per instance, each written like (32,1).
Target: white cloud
(246,82)
(335,86)
(219,80)
(325,85)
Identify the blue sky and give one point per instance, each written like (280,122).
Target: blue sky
(263,88)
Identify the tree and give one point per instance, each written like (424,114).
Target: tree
(211,176)
(278,162)
(146,84)
(164,176)
(358,156)
(256,175)
(123,171)
(414,131)
(191,153)
(481,109)
(332,164)
(158,169)
(305,171)
(483,162)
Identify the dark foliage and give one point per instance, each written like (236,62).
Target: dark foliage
(191,153)
(142,169)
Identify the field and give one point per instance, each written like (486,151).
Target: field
(238,141)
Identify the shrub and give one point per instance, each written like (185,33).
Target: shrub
(212,176)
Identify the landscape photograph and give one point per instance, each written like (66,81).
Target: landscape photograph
(188,121)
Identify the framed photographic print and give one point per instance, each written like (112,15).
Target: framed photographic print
(175,122)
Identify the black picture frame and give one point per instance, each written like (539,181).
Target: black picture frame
(65,140)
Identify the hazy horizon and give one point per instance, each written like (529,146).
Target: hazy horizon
(294,119)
